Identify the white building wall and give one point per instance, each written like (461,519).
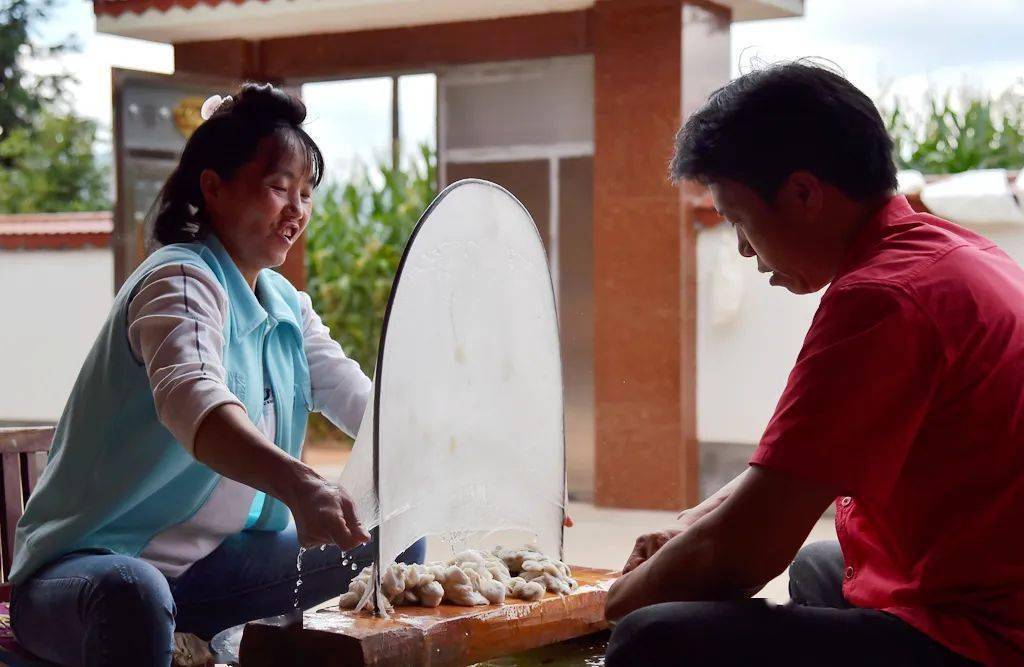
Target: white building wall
(749,335)
(54,303)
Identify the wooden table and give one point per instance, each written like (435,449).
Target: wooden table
(418,636)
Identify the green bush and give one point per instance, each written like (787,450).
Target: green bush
(354,242)
(49,166)
(950,134)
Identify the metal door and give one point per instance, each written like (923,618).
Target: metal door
(154,114)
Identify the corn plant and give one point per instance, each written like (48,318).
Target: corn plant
(951,134)
(355,240)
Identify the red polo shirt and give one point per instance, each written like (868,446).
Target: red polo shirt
(908,399)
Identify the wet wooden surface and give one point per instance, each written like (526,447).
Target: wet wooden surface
(416,636)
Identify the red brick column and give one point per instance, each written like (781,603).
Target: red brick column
(644,256)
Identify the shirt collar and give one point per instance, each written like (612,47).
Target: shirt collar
(248,311)
(868,236)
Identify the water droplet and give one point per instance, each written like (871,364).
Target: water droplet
(298,569)
(322,547)
(354,566)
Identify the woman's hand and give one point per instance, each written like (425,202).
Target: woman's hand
(227,442)
(325,514)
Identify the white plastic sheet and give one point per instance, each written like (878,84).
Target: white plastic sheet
(467,408)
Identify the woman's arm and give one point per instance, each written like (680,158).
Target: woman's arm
(175,329)
(340,388)
(230,444)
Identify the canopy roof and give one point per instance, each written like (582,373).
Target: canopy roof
(175,21)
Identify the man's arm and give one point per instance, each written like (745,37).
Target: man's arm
(649,543)
(737,546)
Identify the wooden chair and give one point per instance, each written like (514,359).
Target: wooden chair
(23,452)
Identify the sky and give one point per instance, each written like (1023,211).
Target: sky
(901,46)
(886,47)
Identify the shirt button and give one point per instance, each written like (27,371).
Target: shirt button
(845,502)
(849,573)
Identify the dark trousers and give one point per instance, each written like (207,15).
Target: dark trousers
(819,627)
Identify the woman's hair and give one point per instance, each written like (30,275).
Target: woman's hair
(225,142)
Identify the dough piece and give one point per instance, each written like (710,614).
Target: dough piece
(530,591)
(393,583)
(431,594)
(487,586)
(458,588)
(356,589)
(469,578)
(417,576)
(488,565)
(497,568)
(513,558)
(530,565)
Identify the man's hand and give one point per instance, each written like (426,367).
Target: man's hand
(646,546)
(325,514)
(748,538)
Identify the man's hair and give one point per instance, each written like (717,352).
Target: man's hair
(799,116)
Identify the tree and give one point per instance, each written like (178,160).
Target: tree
(47,162)
(23,94)
(51,167)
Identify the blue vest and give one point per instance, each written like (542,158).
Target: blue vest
(116,476)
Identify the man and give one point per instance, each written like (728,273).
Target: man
(906,407)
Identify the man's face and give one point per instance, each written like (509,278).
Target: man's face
(780,235)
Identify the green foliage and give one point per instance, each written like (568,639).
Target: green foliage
(354,242)
(954,134)
(49,166)
(47,162)
(22,94)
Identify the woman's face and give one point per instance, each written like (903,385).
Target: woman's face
(260,213)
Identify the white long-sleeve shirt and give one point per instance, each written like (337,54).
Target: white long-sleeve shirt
(175,328)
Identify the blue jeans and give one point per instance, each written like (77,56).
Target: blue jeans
(90,608)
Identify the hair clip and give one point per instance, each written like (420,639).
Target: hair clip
(212,103)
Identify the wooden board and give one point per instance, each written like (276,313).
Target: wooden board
(418,636)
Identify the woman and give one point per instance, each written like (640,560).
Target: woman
(165,504)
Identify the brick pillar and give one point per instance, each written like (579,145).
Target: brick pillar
(645,251)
